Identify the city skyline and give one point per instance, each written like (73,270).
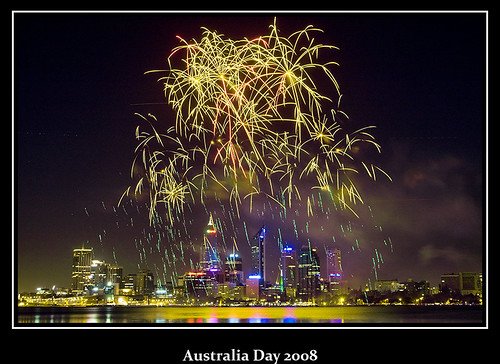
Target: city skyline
(95,282)
(300,273)
(79,79)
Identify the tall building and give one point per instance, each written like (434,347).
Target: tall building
(309,283)
(258,256)
(252,288)
(115,274)
(334,269)
(81,270)
(209,255)
(234,269)
(144,282)
(99,274)
(197,285)
(128,284)
(289,273)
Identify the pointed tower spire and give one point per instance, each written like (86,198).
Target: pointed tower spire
(210,226)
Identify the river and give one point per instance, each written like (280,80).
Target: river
(250,316)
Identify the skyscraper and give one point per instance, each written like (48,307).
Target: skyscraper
(334,269)
(209,255)
(309,284)
(81,270)
(99,274)
(258,257)
(144,282)
(289,271)
(234,269)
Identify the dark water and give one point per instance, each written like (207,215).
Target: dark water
(371,315)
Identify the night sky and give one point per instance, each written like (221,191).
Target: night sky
(79,79)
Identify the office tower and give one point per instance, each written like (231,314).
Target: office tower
(253,287)
(197,285)
(98,274)
(289,271)
(128,284)
(333,270)
(234,269)
(258,257)
(209,256)
(81,270)
(115,274)
(308,274)
(144,282)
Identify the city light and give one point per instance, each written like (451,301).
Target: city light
(96,282)
(301,284)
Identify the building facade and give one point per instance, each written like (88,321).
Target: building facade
(144,282)
(289,272)
(309,277)
(258,262)
(234,269)
(334,270)
(81,275)
(464,283)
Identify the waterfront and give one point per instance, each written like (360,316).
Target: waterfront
(327,316)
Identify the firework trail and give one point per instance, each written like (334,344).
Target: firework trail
(250,126)
(249,121)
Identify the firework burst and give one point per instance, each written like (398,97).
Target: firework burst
(250,120)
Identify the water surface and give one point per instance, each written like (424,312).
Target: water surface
(372,315)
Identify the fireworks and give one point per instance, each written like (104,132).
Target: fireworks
(250,119)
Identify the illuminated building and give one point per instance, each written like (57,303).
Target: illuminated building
(333,270)
(144,282)
(416,288)
(234,269)
(309,283)
(197,285)
(115,274)
(209,256)
(258,257)
(253,287)
(81,270)
(114,280)
(128,284)
(98,274)
(289,271)
(388,286)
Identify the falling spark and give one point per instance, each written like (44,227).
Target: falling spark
(250,126)
(246,110)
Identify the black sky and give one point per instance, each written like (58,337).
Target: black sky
(79,79)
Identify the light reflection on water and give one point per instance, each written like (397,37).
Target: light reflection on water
(248,315)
